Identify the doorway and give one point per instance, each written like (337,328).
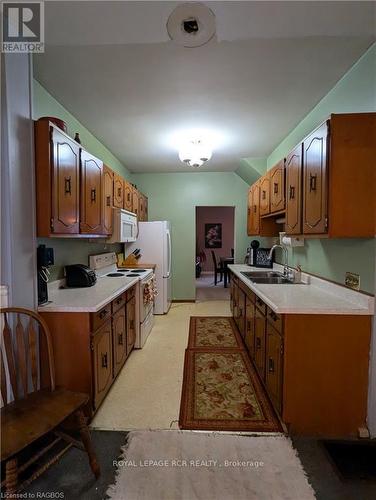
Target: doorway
(215,228)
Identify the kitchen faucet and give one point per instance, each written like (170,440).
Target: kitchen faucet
(286,259)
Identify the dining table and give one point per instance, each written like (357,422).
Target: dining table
(225,261)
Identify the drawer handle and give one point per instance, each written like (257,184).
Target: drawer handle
(108,200)
(263,195)
(120,339)
(68,185)
(275,188)
(292,192)
(271,365)
(103,313)
(312,182)
(258,343)
(93,195)
(104,360)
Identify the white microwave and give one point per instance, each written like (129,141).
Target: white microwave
(124,227)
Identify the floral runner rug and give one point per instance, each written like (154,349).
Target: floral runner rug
(221,389)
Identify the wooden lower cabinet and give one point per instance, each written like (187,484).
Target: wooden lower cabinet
(249,336)
(131,325)
(274,366)
(90,348)
(102,362)
(314,367)
(260,337)
(119,339)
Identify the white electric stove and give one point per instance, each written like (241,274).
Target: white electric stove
(105,267)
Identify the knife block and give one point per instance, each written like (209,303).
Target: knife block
(130,261)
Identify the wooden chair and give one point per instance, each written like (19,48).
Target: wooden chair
(34,412)
(218,269)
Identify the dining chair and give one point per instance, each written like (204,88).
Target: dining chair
(30,412)
(218,269)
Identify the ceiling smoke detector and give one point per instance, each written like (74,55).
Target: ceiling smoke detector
(191,24)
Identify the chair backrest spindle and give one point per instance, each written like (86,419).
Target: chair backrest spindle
(21,352)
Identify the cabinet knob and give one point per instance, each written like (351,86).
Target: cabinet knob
(104,360)
(312,182)
(119,192)
(120,339)
(275,188)
(68,185)
(258,343)
(292,192)
(108,200)
(93,195)
(271,365)
(103,313)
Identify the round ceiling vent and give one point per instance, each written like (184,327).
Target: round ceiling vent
(191,24)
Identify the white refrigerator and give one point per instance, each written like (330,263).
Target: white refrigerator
(154,241)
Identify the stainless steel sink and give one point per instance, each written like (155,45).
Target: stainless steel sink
(269,278)
(273,280)
(261,274)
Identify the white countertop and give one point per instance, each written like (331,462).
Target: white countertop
(317,297)
(88,299)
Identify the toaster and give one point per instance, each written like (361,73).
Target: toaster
(79,276)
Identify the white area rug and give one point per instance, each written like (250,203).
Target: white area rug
(184,465)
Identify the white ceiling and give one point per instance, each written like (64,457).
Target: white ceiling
(112,65)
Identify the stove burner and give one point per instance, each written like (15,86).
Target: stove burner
(113,275)
(132,275)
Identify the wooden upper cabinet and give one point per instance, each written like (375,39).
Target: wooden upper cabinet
(108,199)
(143,207)
(135,195)
(91,194)
(315,183)
(294,191)
(254,209)
(128,196)
(265,195)
(277,187)
(118,191)
(57,163)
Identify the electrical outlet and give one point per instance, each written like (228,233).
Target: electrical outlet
(352,280)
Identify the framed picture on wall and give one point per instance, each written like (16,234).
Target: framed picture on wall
(213,235)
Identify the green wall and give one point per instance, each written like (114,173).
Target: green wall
(174,196)
(71,251)
(44,104)
(331,258)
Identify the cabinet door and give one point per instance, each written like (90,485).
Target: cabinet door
(274,366)
(102,362)
(118,191)
(91,194)
(135,195)
(128,196)
(146,209)
(141,207)
(293,191)
(108,199)
(265,195)
(65,212)
(131,324)
(315,182)
(249,337)
(119,339)
(277,187)
(260,333)
(254,210)
(240,311)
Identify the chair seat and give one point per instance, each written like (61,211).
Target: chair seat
(24,421)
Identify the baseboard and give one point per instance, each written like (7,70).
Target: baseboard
(179,301)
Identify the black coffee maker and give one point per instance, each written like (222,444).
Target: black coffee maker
(45,259)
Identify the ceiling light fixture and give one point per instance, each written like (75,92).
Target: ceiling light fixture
(195,153)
